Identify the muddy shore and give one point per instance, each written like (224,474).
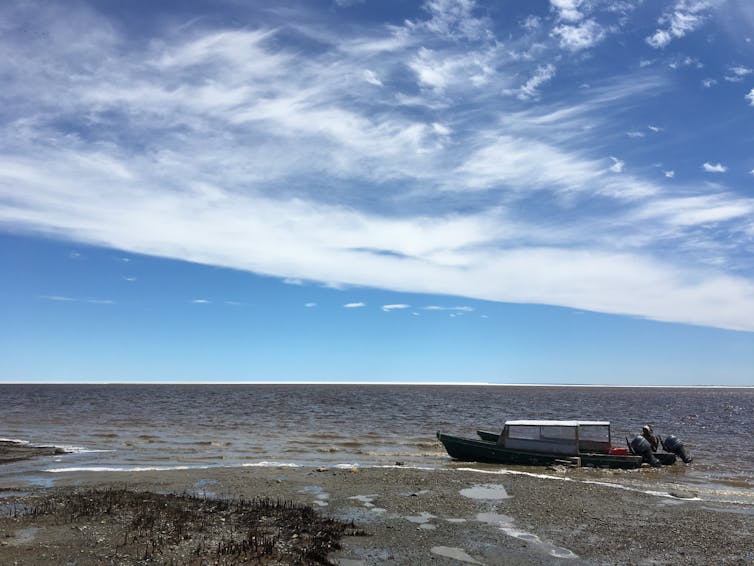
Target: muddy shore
(411,516)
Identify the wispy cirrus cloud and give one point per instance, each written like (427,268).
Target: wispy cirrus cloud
(617,166)
(393,307)
(530,89)
(65,299)
(357,305)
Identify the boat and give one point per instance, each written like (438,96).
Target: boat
(547,442)
(665,458)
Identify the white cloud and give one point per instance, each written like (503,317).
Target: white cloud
(64,299)
(669,174)
(371,78)
(293,281)
(581,36)
(714,167)
(130,279)
(683,18)
(440,308)
(682,62)
(531,23)
(750,97)
(310,305)
(617,166)
(737,73)
(354,305)
(455,19)
(567,10)
(542,75)
(655,129)
(702,210)
(661,38)
(388,308)
(635,134)
(709,83)
(58,298)
(200,302)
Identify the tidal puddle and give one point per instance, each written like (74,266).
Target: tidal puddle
(423,520)
(551,549)
(454,553)
(366,501)
(23,536)
(40,481)
(12,493)
(495,519)
(321,498)
(505,523)
(200,488)
(486,492)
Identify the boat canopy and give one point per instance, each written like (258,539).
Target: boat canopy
(558,423)
(559,437)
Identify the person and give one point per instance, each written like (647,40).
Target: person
(648,433)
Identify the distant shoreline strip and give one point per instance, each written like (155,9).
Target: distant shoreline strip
(378,383)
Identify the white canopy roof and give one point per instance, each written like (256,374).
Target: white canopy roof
(558,423)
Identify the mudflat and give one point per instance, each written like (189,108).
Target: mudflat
(394,515)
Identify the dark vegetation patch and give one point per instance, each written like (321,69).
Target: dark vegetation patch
(122,526)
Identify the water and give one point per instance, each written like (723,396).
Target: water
(132,427)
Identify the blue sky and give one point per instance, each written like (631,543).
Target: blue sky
(546,191)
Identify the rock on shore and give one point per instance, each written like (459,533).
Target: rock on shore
(13,451)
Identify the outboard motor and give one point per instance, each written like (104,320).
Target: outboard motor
(673,445)
(641,447)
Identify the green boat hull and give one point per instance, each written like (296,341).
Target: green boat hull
(472,450)
(597,460)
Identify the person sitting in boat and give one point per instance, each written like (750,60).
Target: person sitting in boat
(648,433)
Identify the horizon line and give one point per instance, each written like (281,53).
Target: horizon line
(345,382)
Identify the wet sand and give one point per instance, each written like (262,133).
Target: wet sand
(449,516)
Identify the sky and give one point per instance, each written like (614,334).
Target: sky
(551,191)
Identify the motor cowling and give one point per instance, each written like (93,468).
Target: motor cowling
(673,445)
(641,447)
